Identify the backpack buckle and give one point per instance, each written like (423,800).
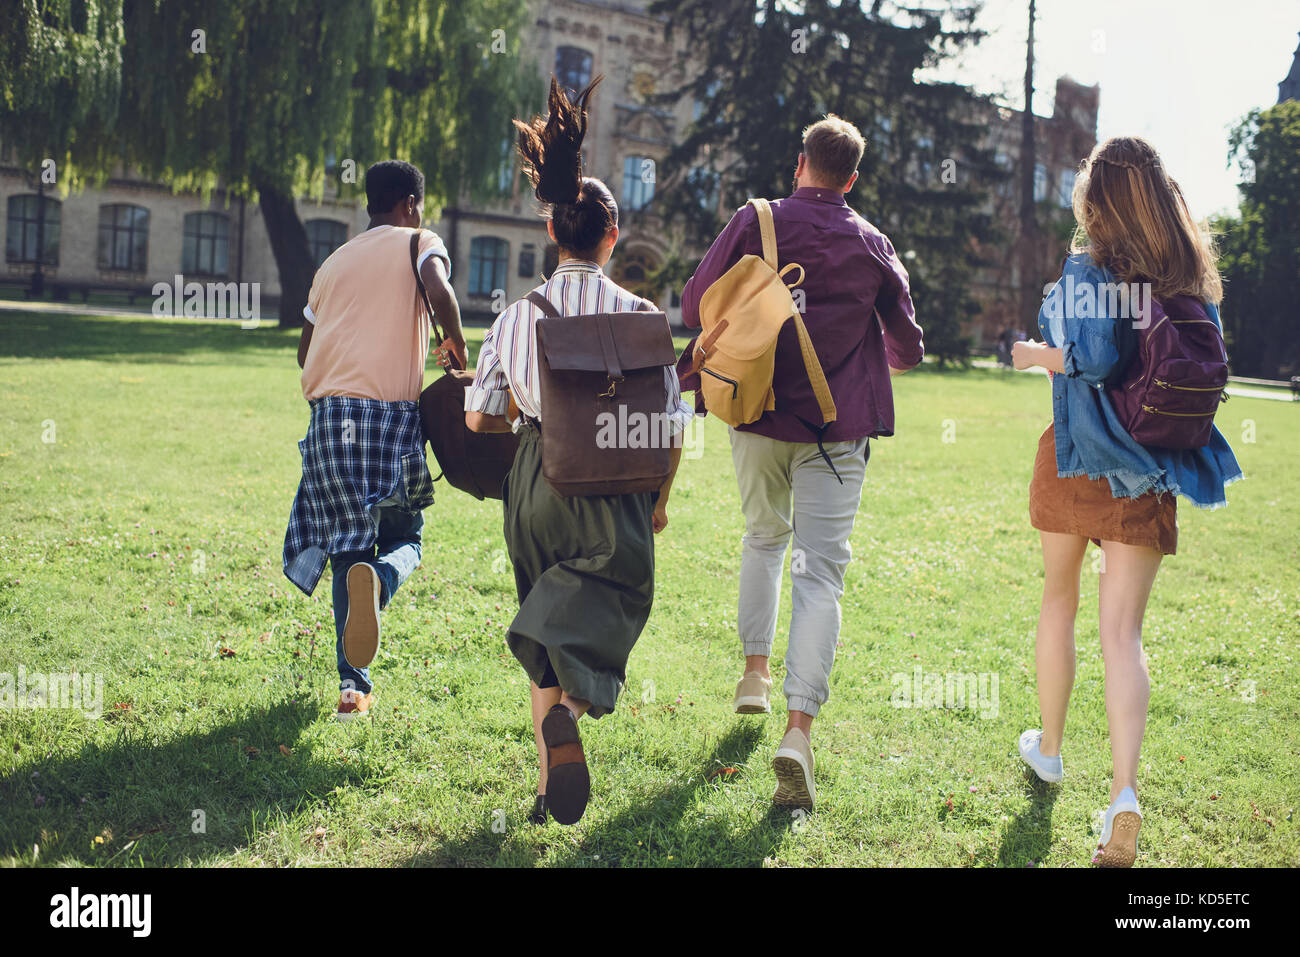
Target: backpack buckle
(614,380)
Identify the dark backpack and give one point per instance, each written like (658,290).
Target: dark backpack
(1171,375)
(604,395)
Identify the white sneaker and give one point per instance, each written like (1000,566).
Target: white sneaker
(1048,769)
(1119,832)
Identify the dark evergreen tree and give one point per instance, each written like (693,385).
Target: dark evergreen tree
(761,70)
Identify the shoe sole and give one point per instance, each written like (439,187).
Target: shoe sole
(1122,849)
(752,705)
(792,786)
(568,786)
(361,630)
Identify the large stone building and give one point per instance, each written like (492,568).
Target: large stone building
(132,233)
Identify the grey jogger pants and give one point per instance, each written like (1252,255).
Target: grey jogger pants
(787,490)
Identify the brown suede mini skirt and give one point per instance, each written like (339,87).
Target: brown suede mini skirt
(1084,506)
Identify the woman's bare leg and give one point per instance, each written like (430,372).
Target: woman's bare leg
(1054,646)
(1128,572)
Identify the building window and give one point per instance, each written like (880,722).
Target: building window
(206,248)
(1065,195)
(488,256)
(323,237)
(638,181)
(123,237)
(572,68)
(21,235)
(528,261)
(1040,182)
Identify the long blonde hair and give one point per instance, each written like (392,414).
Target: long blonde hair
(1132,219)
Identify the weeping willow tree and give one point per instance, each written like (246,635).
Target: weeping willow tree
(265,98)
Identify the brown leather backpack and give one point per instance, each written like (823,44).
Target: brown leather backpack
(474,462)
(604,394)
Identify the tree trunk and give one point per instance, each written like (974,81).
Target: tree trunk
(1030,296)
(293,260)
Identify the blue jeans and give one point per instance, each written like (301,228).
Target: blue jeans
(395,555)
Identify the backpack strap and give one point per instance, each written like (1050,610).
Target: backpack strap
(452,362)
(766,229)
(813,366)
(542,303)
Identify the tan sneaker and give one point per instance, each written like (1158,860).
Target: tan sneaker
(753,694)
(353,703)
(361,629)
(793,764)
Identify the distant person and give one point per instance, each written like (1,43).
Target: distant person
(584,565)
(799,479)
(1092,480)
(364,479)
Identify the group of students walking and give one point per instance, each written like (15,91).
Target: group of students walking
(584,564)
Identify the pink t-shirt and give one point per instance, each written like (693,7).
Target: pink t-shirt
(371,338)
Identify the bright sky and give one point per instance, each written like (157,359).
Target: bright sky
(1178,72)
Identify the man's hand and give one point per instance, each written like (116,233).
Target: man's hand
(893,372)
(454,348)
(660,517)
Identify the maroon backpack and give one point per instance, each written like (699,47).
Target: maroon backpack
(1167,394)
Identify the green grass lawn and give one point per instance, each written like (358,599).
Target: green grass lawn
(143,544)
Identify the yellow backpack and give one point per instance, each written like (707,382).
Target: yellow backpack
(741,316)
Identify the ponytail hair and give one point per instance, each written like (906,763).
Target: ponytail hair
(581,208)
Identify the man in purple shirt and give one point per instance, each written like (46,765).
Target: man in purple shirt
(795,479)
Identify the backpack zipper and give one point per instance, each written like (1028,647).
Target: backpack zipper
(1188,388)
(1182,415)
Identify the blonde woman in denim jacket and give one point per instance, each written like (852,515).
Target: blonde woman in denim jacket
(1093,481)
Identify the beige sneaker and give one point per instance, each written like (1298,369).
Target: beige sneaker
(753,694)
(793,764)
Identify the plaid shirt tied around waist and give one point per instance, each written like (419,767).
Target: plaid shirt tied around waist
(358,454)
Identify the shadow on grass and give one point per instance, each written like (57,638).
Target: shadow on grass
(660,819)
(1028,839)
(142,790)
(29,335)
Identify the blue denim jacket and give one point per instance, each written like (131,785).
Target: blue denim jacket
(1089,437)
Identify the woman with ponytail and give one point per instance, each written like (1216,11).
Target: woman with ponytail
(584,566)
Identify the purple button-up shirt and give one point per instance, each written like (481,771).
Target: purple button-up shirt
(852,275)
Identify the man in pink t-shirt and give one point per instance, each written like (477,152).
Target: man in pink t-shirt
(364,479)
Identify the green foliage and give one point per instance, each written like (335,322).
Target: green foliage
(60,76)
(1260,248)
(763,72)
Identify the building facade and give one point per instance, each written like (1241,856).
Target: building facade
(132,233)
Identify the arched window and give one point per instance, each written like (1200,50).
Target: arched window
(206,246)
(633,271)
(638,181)
(488,256)
(572,68)
(324,236)
(123,237)
(24,235)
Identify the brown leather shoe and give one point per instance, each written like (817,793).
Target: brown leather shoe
(568,784)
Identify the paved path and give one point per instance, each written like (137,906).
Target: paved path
(1233,390)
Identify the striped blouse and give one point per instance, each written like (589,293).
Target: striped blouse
(508,359)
